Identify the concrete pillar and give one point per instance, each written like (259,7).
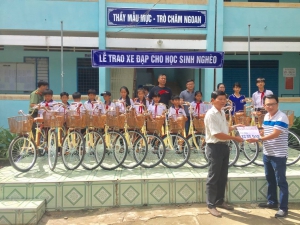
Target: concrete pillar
(104,73)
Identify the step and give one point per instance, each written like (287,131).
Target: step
(21,211)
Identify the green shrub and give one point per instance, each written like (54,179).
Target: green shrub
(5,138)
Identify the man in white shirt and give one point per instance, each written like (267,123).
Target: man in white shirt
(217,151)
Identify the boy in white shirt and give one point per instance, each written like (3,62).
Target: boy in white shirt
(91,104)
(108,105)
(257,97)
(47,103)
(176,110)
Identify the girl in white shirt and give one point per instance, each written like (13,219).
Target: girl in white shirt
(125,101)
(197,105)
(139,109)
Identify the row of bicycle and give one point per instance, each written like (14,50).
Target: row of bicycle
(127,140)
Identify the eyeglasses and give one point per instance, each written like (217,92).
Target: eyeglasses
(271,104)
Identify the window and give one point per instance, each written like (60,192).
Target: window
(87,76)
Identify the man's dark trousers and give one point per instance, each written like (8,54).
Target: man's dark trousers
(218,156)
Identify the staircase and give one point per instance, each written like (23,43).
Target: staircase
(21,211)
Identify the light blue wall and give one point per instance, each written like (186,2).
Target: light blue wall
(46,15)
(265,22)
(286,60)
(16,54)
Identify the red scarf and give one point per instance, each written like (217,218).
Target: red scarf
(155,112)
(198,107)
(177,111)
(262,96)
(78,108)
(141,109)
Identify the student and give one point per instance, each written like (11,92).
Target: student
(155,109)
(140,99)
(64,96)
(76,98)
(146,90)
(125,101)
(47,103)
(258,96)
(176,110)
(237,99)
(198,108)
(221,87)
(91,104)
(108,105)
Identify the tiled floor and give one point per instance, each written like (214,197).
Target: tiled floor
(83,189)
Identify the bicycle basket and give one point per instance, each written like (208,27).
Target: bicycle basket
(53,119)
(60,119)
(102,121)
(177,124)
(155,125)
(290,114)
(76,119)
(242,118)
(116,122)
(135,121)
(20,124)
(198,122)
(92,118)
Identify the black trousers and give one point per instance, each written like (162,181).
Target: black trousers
(218,156)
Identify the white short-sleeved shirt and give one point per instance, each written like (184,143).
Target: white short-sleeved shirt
(93,106)
(140,109)
(122,105)
(108,107)
(46,104)
(176,112)
(215,123)
(198,110)
(277,147)
(74,107)
(156,110)
(257,98)
(61,108)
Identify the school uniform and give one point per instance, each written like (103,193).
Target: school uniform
(122,105)
(108,107)
(48,105)
(257,99)
(95,107)
(156,110)
(198,108)
(176,112)
(139,109)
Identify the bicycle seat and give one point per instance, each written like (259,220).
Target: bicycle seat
(39,119)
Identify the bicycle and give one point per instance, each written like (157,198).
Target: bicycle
(177,146)
(249,150)
(23,149)
(73,147)
(196,138)
(94,141)
(136,141)
(156,146)
(115,143)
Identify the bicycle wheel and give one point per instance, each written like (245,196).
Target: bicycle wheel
(137,150)
(234,152)
(293,148)
(52,150)
(43,142)
(259,159)
(177,152)
(22,153)
(73,150)
(116,150)
(197,158)
(94,150)
(156,151)
(250,153)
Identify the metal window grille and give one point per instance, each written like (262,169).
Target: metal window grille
(87,76)
(42,67)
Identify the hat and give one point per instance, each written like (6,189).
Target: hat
(106,93)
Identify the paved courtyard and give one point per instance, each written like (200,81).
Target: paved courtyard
(186,214)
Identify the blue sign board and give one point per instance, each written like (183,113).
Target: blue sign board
(156,18)
(137,59)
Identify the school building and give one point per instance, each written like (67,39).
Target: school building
(30,45)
